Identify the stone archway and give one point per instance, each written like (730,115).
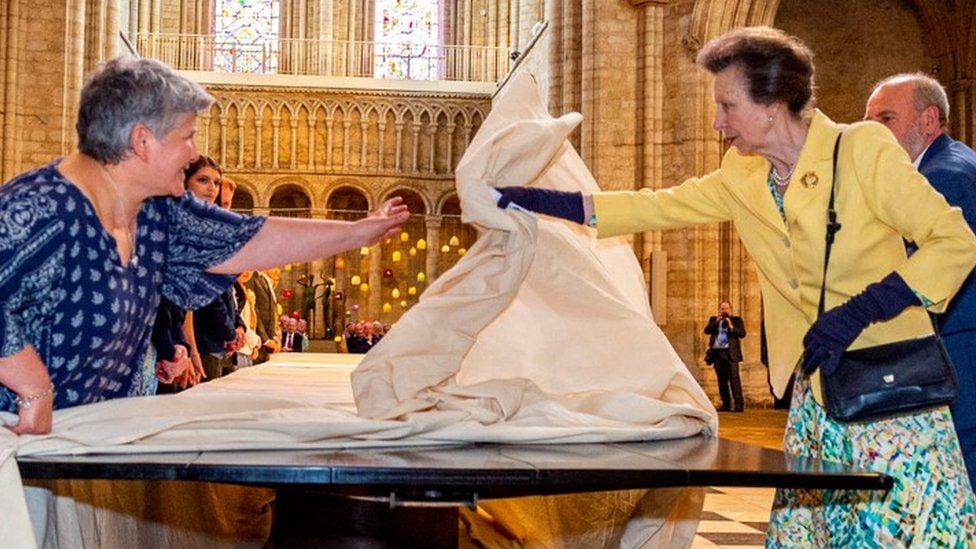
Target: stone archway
(243,201)
(290,201)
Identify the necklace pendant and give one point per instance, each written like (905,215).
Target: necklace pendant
(809,180)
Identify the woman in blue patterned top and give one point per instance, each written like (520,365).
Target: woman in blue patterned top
(89,244)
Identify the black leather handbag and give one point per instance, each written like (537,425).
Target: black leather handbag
(885,380)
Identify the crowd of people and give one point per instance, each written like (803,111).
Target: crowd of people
(240,328)
(359,337)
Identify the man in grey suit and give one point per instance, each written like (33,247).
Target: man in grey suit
(265,305)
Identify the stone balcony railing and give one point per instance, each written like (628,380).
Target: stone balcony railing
(305,57)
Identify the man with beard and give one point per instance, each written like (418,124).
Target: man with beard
(916,109)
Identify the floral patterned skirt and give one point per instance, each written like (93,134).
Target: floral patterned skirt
(930,505)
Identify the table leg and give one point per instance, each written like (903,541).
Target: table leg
(304,518)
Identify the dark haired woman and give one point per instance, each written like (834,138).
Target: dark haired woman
(774,185)
(208,335)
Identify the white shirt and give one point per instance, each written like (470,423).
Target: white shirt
(918,159)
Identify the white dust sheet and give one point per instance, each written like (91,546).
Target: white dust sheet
(540,334)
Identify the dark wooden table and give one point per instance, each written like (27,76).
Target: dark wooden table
(410,496)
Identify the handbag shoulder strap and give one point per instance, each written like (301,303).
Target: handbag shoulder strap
(832,227)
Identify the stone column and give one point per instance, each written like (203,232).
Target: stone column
(432,223)
(962,93)
(649,136)
(10,37)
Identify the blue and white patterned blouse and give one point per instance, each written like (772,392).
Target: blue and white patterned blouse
(64,290)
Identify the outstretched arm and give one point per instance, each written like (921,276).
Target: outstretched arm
(287,240)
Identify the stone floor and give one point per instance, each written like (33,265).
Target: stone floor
(738,517)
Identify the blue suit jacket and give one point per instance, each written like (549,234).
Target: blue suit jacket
(950,166)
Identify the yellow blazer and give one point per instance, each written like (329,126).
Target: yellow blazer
(880,199)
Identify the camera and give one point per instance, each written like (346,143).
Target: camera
(725,315)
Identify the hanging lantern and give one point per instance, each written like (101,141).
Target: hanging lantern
(355,280)
(421,244)
(403,304)
(421,277)
(354,306)
(279,310)
(395,293)
(340,264)
(397,256)
(364,250)
(462,251)
(388,273)
(387,308)
(338,339)
(288,267)
(339,296)
(296,315)
(455,241)
(348,313)
(412,252)
(387,241)
(364,287)
(404,236)
(287,294)
(412,290)
(445,248)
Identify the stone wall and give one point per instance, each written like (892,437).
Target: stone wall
(360,132)
(854,46)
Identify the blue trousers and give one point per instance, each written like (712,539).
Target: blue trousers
(962,350)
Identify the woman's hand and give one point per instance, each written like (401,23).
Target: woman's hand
(192,373)
(836,329)
(565,205)
(36,412)
(25,374)
(386,222)
(169,371)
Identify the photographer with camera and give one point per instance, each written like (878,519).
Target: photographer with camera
(725,353)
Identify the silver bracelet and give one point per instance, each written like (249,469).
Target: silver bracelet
(28,401)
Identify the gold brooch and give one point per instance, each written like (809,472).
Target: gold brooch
(809,180)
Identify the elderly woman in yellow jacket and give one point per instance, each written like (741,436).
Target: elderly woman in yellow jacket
(774,184)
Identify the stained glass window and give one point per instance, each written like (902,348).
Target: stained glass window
(407,39)
(246,36)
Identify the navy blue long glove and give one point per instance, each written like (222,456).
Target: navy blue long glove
(837,328)
(566,205)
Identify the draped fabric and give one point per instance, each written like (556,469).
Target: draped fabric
(539,325)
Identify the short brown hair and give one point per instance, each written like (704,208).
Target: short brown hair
(777,66)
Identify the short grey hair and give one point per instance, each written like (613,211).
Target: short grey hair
(928,92)
(127,91)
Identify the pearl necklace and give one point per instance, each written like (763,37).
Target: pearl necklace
(782,181)
(133,258)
